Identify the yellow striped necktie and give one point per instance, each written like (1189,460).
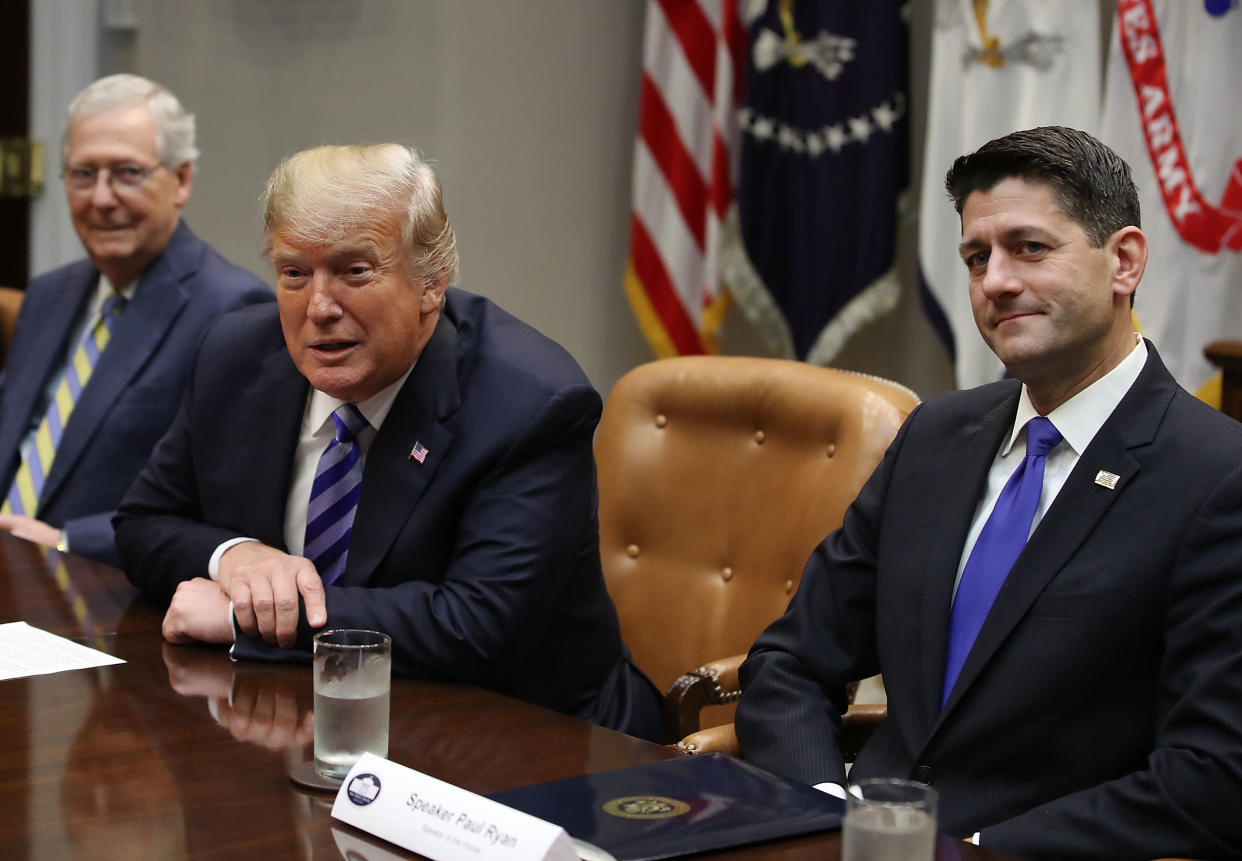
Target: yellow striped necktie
(38,454)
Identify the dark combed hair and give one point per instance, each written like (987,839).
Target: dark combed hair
(1092,184)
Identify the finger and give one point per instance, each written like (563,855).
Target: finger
(243,607)
(311,588)
(264,608)
(285,599)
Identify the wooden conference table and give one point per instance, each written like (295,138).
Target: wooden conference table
(181,753)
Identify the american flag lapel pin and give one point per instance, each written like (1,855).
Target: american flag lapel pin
(420,452)
(1107,479)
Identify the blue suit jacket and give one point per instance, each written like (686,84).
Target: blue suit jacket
(134,391)
(482,562)
(1097,715)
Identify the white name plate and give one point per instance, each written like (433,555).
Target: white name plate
(442,821)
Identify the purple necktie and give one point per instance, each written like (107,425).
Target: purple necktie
(334,496)
(1000,542)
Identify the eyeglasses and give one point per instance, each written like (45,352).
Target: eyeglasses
(127,177)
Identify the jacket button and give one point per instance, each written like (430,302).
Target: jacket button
(924,774)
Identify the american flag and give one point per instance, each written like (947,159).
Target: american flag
(419,452)
(693,54)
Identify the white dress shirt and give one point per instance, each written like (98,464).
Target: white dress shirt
(1079,419)
(316,432)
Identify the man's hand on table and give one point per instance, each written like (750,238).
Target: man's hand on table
(32,530)
(199,612)
(263,584)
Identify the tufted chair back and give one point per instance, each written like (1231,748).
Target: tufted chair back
(10,301)
(718,476)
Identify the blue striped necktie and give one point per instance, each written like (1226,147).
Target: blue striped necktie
(37,456)
(999,544)
(334,496)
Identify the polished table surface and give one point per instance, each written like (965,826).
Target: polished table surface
(182,753)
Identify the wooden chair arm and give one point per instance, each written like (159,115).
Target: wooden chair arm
(857,725)
(713,684)
(715,738)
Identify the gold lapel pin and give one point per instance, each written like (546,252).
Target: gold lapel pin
(1104,478)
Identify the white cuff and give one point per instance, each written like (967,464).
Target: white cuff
(213,564)
(836,790)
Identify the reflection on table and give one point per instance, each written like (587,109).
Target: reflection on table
(182,753)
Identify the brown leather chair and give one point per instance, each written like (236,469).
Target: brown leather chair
(718,476)
(10,301)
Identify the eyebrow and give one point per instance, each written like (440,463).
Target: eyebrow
(1012,234)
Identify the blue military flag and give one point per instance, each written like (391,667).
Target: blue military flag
(810,254)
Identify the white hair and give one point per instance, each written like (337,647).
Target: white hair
(174,127)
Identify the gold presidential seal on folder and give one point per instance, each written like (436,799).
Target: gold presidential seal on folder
(646,807)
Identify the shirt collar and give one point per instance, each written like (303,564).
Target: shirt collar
(1082,416)
(375,408)
(106,288)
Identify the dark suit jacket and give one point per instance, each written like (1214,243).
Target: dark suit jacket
(1099,714)
(482,562)
(134,391)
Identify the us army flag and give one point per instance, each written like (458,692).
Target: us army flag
(1171,110)
(997,67)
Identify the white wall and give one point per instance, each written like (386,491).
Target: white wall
(528,107)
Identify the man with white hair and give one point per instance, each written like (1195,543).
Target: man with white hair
(383,452)
(102,345)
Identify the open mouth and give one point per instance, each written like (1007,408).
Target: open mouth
(333,348)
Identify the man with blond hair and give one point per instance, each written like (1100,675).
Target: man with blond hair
(102,345)
(385,453)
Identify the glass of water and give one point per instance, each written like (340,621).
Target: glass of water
(889,820)
(353,676)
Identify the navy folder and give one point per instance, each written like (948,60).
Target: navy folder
(678,807)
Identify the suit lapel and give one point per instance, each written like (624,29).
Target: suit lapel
(970,455)
(269,408)
(393,479)
(1073,515)
(147,320)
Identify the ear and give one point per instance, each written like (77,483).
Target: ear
(1128,247)
(433,294)
(185,181)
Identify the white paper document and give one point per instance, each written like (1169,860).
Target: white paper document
(29,651)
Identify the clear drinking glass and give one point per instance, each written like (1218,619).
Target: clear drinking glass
(353,676)
(889,820)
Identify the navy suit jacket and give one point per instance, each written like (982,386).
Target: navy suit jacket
(482,562)
(1099,713)
(134,391)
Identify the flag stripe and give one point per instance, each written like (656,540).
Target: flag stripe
(675,163)
(664,301)
(666,68)
(656,208)
(697,37)
(682,183)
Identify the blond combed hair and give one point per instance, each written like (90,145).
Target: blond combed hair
(321,194)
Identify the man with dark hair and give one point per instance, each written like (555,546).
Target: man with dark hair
(102,345)
(1058,632)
